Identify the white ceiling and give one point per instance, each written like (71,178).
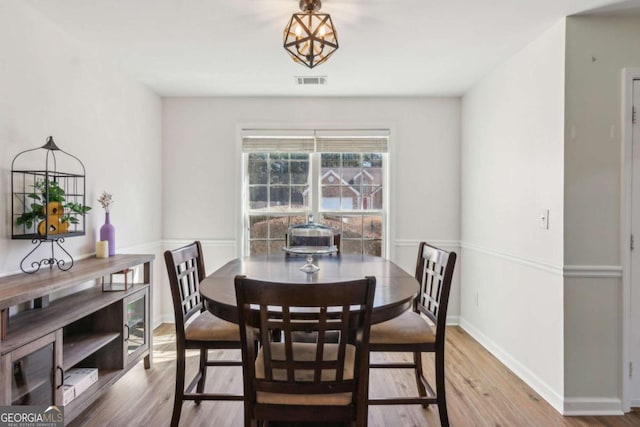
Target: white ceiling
(234,47)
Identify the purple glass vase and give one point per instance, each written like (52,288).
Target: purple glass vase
(108,232)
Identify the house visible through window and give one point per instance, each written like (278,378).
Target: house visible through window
(336,176)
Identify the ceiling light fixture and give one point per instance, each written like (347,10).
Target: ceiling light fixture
(310,37)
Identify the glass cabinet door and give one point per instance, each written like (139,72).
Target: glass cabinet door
(31,379)
(136,333)
(32,371)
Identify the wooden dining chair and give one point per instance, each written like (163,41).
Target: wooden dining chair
(420,330)
(290,381)
(196,328)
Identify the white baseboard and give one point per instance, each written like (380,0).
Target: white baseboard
(574,406)
(592,406)
(542,388)
(165,318)
(453,320)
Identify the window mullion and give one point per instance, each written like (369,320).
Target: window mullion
(315,185)
(269,160)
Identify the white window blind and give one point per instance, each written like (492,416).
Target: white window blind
(319,141)
(352,141)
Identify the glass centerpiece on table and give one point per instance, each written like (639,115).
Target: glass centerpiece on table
(310,239)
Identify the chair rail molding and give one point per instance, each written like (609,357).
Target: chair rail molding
(415,242)
(593,271)
(569,271)
(205,242)
(529,262)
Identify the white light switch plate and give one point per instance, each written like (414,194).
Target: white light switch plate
(544,219)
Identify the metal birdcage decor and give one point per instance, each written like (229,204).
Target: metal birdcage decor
(310,37)
(48,203)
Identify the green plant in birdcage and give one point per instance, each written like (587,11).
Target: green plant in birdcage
(50,207)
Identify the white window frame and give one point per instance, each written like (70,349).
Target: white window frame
(318,137)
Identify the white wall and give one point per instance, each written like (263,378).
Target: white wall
(598,48)
(202,165)
(512,169)
(53,85)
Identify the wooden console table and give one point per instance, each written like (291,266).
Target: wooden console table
(87,328)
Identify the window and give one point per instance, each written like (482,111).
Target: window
(336,176)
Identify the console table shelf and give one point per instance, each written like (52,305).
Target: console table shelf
(77,347)
(59,313)
(83,327)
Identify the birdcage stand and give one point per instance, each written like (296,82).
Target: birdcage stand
(35,265)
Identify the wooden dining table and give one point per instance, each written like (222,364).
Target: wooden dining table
(395,288)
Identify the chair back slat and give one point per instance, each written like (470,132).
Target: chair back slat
(185,267)
(434,271)
(306,368)
(189,282)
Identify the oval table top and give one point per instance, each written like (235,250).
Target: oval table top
(395,288)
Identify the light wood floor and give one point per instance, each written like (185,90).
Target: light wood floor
(480,392)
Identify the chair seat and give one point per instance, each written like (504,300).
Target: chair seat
(207,327)
(408,328)
(306,351)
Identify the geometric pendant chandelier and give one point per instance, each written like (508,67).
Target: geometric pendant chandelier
(310,37)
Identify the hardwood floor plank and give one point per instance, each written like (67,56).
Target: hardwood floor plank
(480,392)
